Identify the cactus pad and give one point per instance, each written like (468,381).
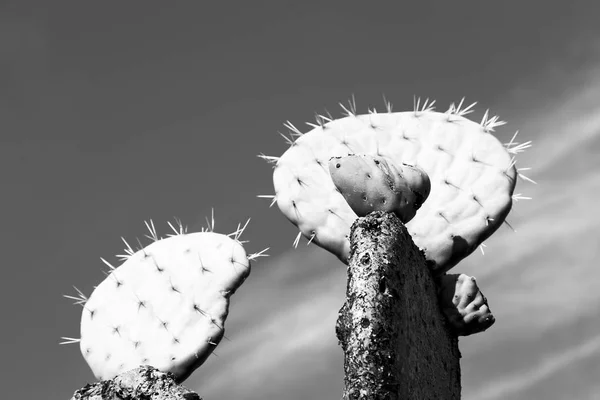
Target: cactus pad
(165,306)
(472,177)
(464,306)
(371,183)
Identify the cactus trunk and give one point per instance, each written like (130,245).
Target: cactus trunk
(144,382)
(395,340)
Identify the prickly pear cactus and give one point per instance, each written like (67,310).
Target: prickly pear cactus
(471,173)
(372,183)
(165,306)
(464,306)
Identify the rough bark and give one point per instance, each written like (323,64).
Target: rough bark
(395,340)
(143,383)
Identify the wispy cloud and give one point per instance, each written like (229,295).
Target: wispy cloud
(281,326)
(539,279)
(551,364)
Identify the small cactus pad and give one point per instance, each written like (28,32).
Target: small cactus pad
(463,304)
(372,183)
(472,177)
(165,306)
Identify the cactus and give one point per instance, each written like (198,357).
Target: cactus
(472,177)
(376,184)
(165,306)
(464,306)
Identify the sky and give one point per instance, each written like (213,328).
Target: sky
(113,113)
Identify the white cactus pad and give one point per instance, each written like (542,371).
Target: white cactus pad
(472,176)
(165,306)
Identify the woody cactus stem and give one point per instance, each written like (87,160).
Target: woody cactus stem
(395,341)
(142,383)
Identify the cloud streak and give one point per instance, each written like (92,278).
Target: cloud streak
(550,365)
(539,280)
(542,280)
(282,330)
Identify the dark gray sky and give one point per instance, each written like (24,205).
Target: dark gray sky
(112,113)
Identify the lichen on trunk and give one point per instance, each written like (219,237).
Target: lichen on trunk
(143,383)
(395,340)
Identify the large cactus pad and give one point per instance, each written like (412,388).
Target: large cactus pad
(472,176)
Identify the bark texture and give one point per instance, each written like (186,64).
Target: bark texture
(143,383)
(395,340)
